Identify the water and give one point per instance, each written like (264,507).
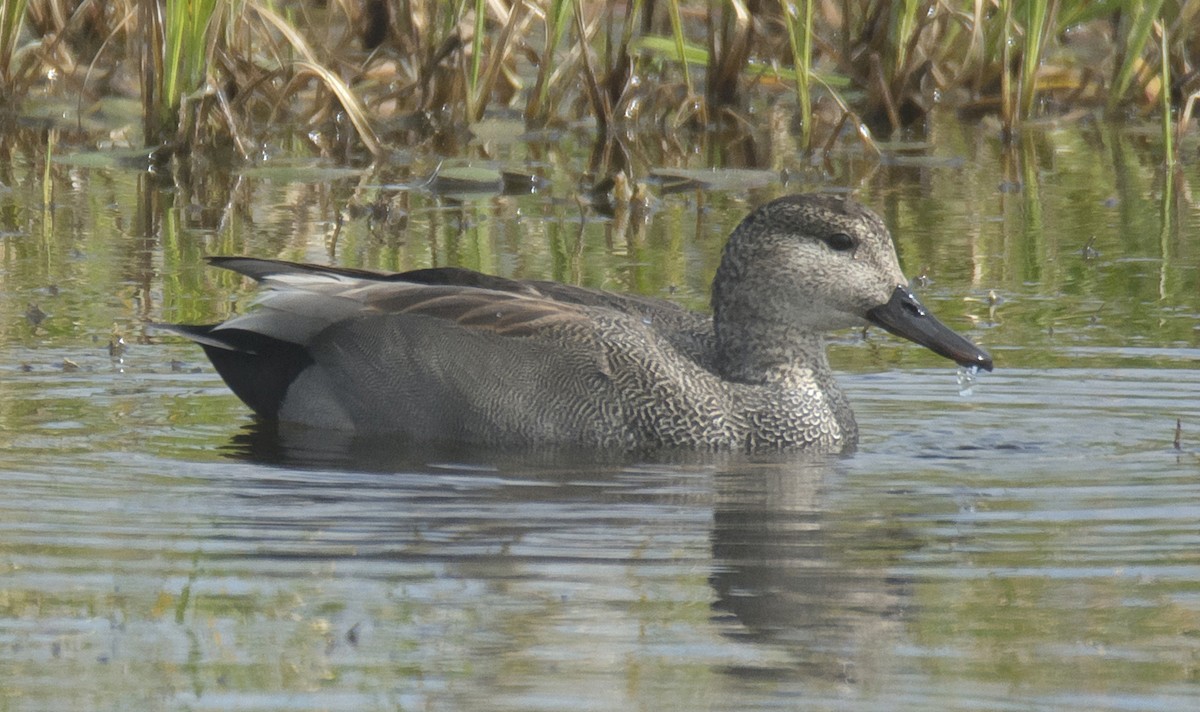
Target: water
(1034,544)
(967,557)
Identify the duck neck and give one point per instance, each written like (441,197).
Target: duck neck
(770,353)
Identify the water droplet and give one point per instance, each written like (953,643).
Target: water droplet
(966,380)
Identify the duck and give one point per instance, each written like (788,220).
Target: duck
(450,355)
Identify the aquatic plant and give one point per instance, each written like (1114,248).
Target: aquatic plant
(174,60)
(800,37)
(424,67)
(12,18)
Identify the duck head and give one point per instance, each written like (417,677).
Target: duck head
(806,264)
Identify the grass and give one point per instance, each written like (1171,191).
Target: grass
(432,66)
(1164,92)
(1137,24)
(175,60)
(12,19)
(1037,24)
(800,36)
(538,108)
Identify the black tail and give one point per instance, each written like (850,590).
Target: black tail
(257,368)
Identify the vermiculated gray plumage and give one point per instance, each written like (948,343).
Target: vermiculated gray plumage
(454,355)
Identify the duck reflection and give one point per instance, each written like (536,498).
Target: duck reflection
(301,447)
(800,566)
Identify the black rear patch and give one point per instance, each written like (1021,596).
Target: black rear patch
(257,368)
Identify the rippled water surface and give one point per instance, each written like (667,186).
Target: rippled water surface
(1033,544)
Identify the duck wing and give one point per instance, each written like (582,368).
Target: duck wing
(263,269)
(296,306)
(467,303)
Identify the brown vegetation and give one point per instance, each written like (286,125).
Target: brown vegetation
(360,75)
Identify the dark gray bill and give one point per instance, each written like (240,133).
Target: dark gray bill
(904,315)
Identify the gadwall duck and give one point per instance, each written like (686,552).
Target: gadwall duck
(454,355)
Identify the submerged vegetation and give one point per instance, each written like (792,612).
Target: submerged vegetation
(359,75)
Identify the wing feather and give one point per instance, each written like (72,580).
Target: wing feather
(296,306)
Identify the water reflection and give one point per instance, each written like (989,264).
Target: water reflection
(811,585)
(795,575)
(296,446)
(941,563)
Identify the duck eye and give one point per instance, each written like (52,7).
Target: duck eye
(839,242)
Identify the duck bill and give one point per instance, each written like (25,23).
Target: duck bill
(905,316)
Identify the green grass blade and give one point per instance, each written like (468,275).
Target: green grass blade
(677,31)
(12,17)
(184,62)
(665,47)
(1164,93)
(536,109)
(1037,19)
(904,24)
(800,29)
(1008,112)
(1144,15)
(473,98)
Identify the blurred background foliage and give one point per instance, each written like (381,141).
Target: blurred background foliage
(362,75)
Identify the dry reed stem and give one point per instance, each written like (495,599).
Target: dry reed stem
(728,52)
(601,106)
(499,57)
(430,61)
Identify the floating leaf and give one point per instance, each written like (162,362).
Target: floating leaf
(127,158)
(300,172)
(677,179)
(467,180)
